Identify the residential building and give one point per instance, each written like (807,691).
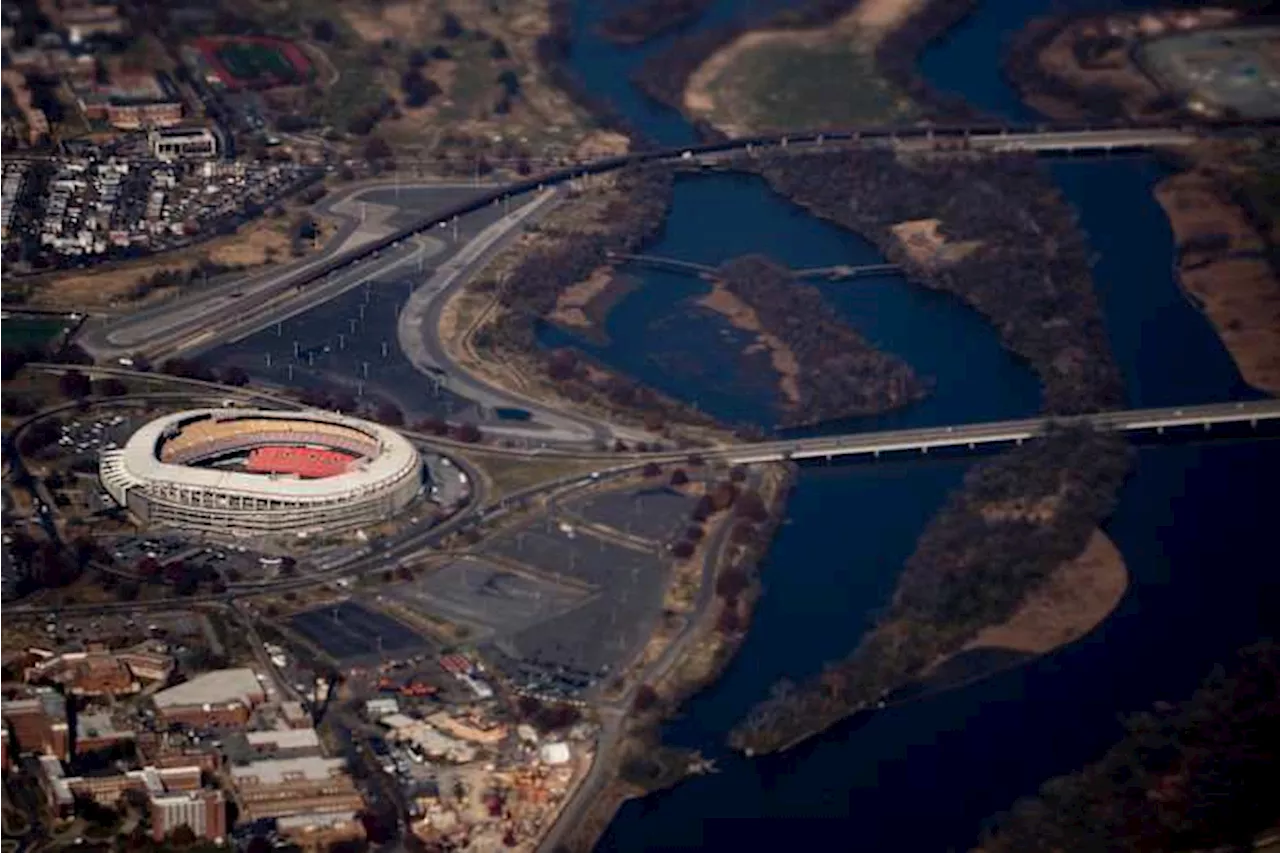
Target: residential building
(204,811)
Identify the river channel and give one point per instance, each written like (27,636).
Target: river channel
(1191,520)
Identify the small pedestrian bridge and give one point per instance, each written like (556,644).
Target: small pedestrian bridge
(841,272)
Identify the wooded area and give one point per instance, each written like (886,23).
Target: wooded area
(1029,275)
(1015,519)
(1197,776)
(840,374)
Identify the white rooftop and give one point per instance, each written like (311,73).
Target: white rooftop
(211,688)
(284,738)
(275,771)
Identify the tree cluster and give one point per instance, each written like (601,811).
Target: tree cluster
(841,374)
(971,568)
(1030,275)
(1198,776)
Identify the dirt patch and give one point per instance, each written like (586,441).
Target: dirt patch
(395,21)
(882,16)
(742,316)
(1069,604)
(586,305)
(926,245)
(1223,266)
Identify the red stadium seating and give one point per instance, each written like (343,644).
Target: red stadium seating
(307,462)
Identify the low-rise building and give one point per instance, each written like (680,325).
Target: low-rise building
(215,699)
(181,142)
(38,723)
(303,795)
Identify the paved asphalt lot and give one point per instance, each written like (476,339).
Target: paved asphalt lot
(348,630)
(656,513)
(488,599)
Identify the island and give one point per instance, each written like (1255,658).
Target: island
(1128,66)
(1021,527)
(826,370)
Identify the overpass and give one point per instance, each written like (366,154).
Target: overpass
(972,436)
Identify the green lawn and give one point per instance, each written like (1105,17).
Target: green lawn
(783,87)
(32,331)
(248,61)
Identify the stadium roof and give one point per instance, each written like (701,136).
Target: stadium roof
(140,459)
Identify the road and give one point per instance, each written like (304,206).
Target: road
(419,323)
(186,315)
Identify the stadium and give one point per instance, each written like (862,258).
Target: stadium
(248,472)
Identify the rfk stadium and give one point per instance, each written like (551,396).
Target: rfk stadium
(248,472)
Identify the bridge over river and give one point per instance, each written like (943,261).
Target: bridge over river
(839,272)
(972,436)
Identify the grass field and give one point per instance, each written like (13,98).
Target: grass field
(248,61)
(779,87)
(32,331)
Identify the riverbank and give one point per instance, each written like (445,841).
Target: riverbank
(643,20)
(563,270)
(1081,67)
(993,557)
(1224,265)
(739,533)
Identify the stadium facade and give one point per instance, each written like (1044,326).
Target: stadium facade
(188,470)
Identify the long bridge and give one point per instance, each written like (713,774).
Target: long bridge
(990,137)
(838,272)
(972,436)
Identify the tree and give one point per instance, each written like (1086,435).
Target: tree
(723,495)
(389,413)
(183,836)
(751,506)
(11,361)
(323,30)
(731,583)
(418,58)
(468,432)
(652,469)
(738,473)
(646,698)
(510,82)
(682,550)
(729,622)
(450,26)
(74,385)
(376,148)
(679,477)
(441,52)
(235,375)
(694,533)
(498,50)
(695,460)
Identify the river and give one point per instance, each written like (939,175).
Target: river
(1189,522)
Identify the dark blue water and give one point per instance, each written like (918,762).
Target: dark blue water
(1190,520)
(1167,350)
(925,776)
(656,336)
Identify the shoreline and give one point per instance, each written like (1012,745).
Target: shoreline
(1222,266)
(713,646)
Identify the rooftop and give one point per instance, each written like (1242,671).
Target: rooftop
(284,738)
(220,686)
(278,771)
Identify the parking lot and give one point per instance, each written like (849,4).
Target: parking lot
(655,513)
(85,436)
(486,598)
(585,641)
(350,632)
